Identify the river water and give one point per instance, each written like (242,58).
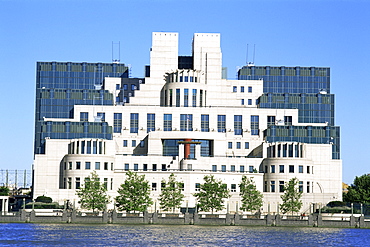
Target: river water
(22,234)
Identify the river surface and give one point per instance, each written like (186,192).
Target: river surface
(22,234)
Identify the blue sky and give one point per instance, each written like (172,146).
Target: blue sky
(324,33)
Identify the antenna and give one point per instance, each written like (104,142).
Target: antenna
(114,52)
(254,52)
(247,54)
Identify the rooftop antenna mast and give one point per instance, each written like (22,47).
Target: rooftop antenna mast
(254,52)
(247,54)
(114,52)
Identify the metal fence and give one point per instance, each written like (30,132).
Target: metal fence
(16,178)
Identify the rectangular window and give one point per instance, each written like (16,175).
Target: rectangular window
(300,186)
(204,124)
(171,97)
(232,168)
(251,169)
(281,168)
(197,187)
(281,186)
(154,166)
(308,170)
(249,89)
(97,165)
(242,89)
(106,166)
(241,168)
(238,122)
(134,122)
(242,101)
(272,186)
(308,187)
(291,168)
(164,167)
(201,98)
(167,122)
(105,183)
(145,167)
(186,122)
(117,122)
(69,165)
(127,167)
(78,183)
(272,168)
(78,165)
(150,123)
(101,116)
(223,168)
(255,125)
(118,86)
(69,183)
(288,120)
(186,97)
(84,116)
(154,186)
(177,97)
(235,89)
(229,145)
(221,123)
(194,97)
(300,169)
(133,143)
(270,121)
(214,168)
(238,145)
(249,101)
(233,188)
(125,143)
(87,165)
(246,145)
(136,167)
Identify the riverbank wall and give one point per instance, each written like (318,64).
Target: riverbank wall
(113,217)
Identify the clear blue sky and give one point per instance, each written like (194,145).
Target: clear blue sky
(286,33)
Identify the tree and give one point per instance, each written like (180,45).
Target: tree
(4,191)
(251,198)
(44,199)
(359,191)
(171,195)
(212,194)
(134,193)
(292,197)
(93,194)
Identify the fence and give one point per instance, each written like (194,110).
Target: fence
(16,178)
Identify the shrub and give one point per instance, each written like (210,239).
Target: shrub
(44,199)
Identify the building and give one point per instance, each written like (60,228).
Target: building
(184,118)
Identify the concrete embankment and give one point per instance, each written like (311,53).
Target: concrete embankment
(72,216)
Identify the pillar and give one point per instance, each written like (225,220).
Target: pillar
(187,149)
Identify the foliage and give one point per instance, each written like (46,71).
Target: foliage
(212,194)
(4,191)
(134,193)
(336,204)
(359,191)
(171,194)
(93,194)
(44,199)
(251,198)
(292,197)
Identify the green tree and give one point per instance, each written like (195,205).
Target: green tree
(359,191)
(171,194)
(93,194)
(292,197)
(4,191)
(134,193)
(251,198)
(212,194)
